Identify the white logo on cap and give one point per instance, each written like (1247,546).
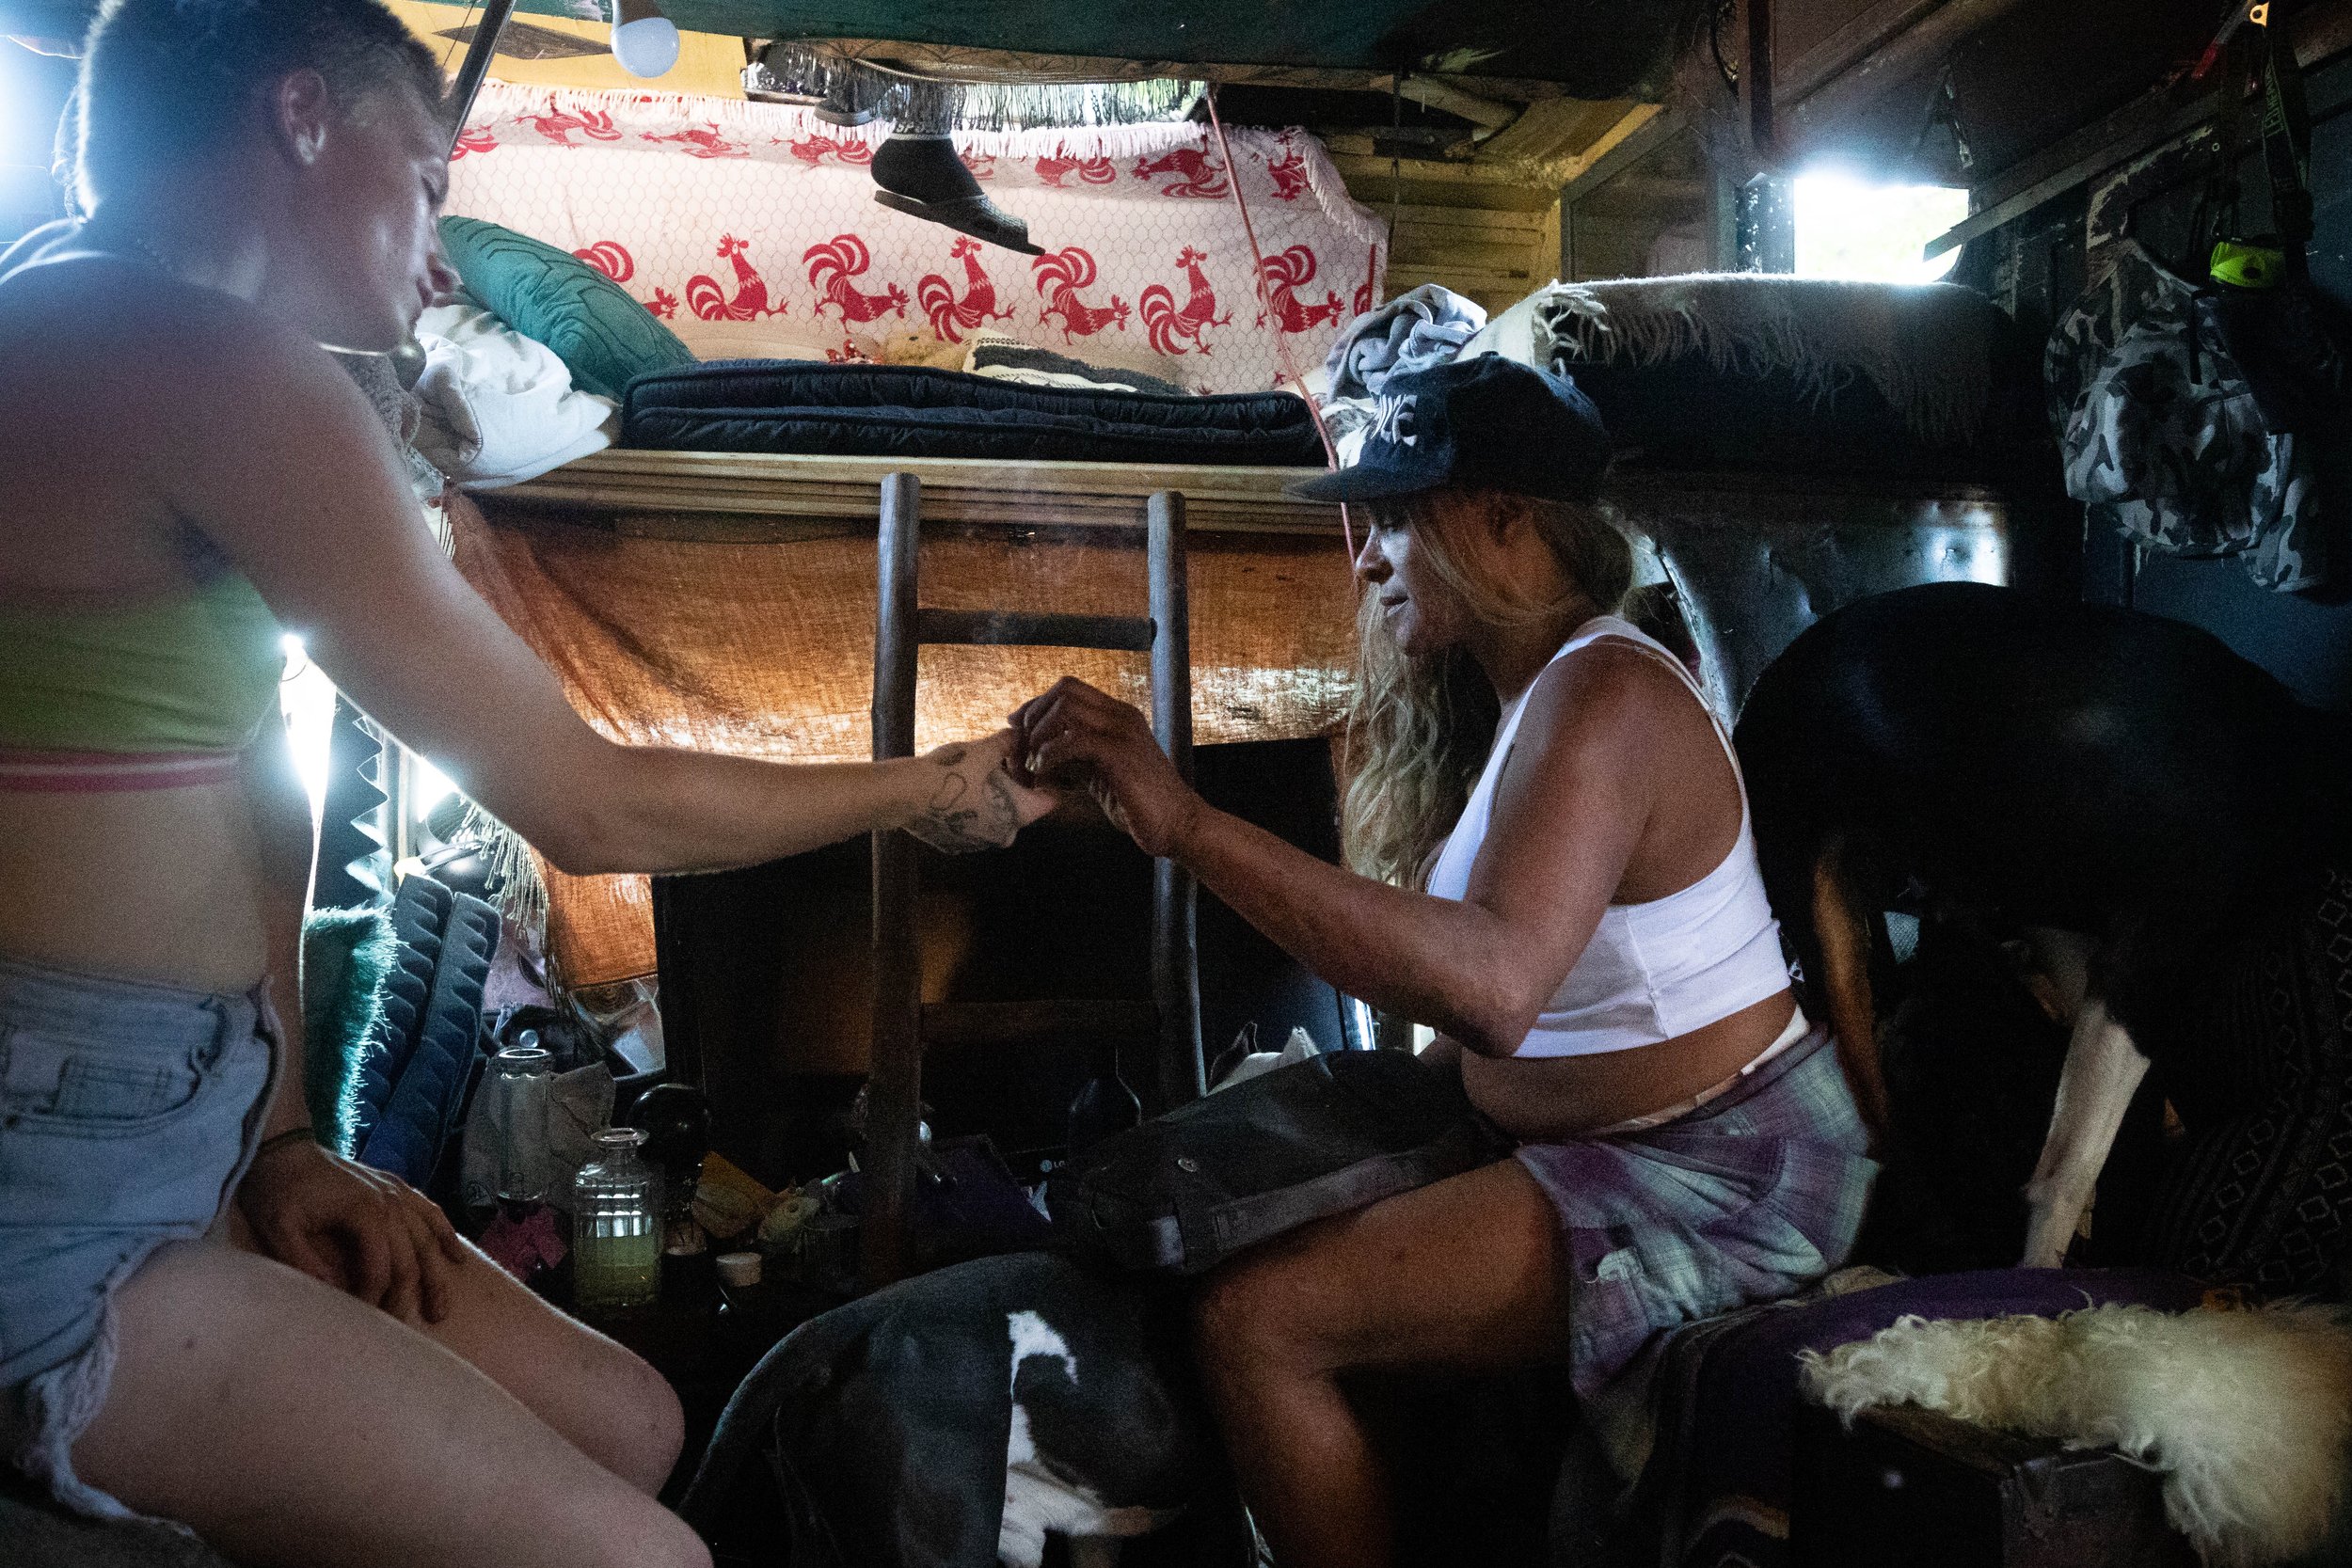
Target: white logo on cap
(1389,415)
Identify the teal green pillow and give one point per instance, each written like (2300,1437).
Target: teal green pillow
(591,322)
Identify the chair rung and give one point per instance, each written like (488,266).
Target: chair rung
(967,1024)
(1128,633)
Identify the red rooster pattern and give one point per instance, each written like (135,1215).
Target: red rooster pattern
(1364,300)
(1196,173)
(703,142)
(775,194)
(561,126)
(831,266)
(1289,174)
(610,257)
(1060,275)
(1053,171)
(709,300)
(813,150)
(1293,270)
(1171,326)
(951,317)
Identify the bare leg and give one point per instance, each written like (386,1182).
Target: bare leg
(607,1402)
(1465,1273)
(2103,1070)
(287,1423)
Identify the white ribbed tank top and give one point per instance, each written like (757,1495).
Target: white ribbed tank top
(1653,971)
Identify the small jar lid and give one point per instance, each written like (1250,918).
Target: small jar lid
(738,1267)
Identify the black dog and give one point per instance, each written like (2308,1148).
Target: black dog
(956,1418)
(2120,786)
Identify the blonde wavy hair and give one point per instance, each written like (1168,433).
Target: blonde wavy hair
(1418,729)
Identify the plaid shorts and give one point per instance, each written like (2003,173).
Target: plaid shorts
(1752,1197)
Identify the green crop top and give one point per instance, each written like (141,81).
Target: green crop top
(194,673)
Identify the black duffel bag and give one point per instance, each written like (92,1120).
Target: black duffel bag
(1183,1192)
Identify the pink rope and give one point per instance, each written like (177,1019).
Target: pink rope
(1281,346)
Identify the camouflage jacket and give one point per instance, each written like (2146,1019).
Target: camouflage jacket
(2162,436)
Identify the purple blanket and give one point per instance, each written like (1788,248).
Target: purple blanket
(1718,1482)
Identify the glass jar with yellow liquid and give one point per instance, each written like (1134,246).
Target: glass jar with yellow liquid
(617,1225)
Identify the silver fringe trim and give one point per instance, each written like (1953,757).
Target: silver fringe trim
(856,91)
(516,890)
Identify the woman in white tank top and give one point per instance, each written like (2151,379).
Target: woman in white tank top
(1553,870)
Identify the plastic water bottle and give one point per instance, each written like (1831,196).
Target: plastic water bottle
(617,1225)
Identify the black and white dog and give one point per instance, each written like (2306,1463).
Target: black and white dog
(2120,786)
(955,1420)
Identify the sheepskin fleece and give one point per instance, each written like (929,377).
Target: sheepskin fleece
(2245,1413)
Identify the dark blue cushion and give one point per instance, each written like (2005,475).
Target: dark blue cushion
(413,1083)
(792,405)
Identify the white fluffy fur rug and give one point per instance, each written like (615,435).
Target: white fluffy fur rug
(2246,1414)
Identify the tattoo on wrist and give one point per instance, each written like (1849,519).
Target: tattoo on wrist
(960,817)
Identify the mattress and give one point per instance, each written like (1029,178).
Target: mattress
(792,405)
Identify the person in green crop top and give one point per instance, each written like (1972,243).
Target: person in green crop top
(326,1375)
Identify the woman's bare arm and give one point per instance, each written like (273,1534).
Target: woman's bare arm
(288,470)
(1568,812)
(357,1229)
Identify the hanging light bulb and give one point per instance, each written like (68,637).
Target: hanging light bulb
(643,40)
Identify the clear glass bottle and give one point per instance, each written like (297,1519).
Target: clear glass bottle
(617,1225)
(521,1080)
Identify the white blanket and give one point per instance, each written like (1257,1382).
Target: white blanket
(500,407)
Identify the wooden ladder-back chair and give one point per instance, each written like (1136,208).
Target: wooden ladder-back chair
(903,1025)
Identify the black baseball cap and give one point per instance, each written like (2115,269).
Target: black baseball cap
(1488,422)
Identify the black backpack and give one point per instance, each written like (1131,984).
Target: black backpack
(1185,1191)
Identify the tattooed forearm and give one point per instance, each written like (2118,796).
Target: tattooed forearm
(964,815)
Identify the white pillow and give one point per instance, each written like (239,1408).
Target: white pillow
(500,407)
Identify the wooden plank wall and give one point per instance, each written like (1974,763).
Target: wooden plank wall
(1494,255)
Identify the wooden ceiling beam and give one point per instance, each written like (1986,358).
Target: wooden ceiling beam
(1368,172)
(1492,94)
(1487,113)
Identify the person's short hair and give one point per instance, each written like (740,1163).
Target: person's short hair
(166,83)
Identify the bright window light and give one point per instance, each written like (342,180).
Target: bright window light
(1848,228)
(307,698)
(428,787)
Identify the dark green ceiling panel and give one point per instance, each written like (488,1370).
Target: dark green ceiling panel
(1337,33)
(1596,48)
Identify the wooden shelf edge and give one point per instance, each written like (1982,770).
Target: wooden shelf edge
(1217,498)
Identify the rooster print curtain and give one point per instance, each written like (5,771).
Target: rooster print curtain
(753,230)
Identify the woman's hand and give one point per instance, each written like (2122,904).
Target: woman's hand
(365,1233)
(970,798)
(1075,735)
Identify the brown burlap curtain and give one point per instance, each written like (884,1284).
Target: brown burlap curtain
(756,638)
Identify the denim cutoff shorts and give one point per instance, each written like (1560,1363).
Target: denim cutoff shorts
(127,1114)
